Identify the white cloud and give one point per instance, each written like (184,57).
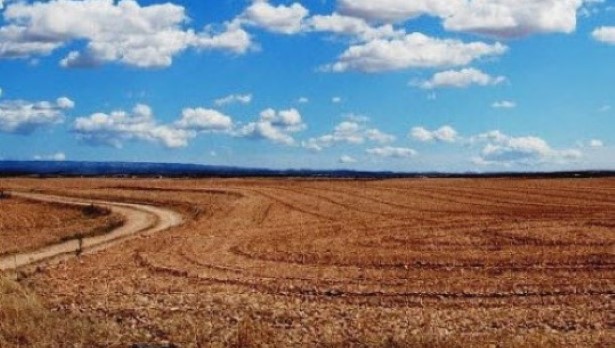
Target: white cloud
(233,39)
(289,119)
(414,50)
(461,79)
(265,130)
(355,118)
(504,104)
(16,43)
(119,126)
(204,120)
(303,100)
(392,152)
(24,117)
(276,126)
(348,132)
(596,143)
(336,100)
(58,156)
(280,19)
(514,18)
(345,159)
(65,103)
(351,26)
(443,134)
(604,34)
(393,10)
(379,136)
(125,32)
(234,98)
(498,18)
(502,149)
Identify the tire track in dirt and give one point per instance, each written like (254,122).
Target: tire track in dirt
(139,219)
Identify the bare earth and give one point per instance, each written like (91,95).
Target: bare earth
(29,225)
(349,263)
(138,218)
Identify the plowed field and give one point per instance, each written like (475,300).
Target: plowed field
(289,262)
(28,225)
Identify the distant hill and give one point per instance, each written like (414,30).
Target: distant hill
(142,169)
(68,168)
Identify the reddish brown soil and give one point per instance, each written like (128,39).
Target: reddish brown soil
(28,225)
(351,263)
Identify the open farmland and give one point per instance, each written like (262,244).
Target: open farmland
(28,225)
(284,262)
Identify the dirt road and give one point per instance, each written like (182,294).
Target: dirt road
(139,219)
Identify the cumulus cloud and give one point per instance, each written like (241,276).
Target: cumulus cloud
(345,159)
(233,39)
(497,18)
(379,136)
(604,34)
(394,10)
(204,120)
(443,134)
(125,32)
(16,43)
(303,100)
(234,98)
(392,152)
(58,157)
(65,103)
(502,149)
(498,148)
(280,19)
(514,18)
(414,50)
(24,117)
(504,104)
(357,28)
(461,79)
(336,100)
(117,127)
(276,126)
(348,132)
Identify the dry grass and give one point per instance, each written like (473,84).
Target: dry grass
(432,263)
(26,322)
(28,225)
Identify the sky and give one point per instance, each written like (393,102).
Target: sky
(422,85)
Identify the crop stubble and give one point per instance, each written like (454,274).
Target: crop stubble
(414,262)
(28,225)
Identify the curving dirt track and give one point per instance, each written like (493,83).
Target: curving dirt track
(353,263)
(138,219)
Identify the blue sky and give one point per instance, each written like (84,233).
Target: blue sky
(451,85)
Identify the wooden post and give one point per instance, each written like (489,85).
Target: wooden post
(80,247)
